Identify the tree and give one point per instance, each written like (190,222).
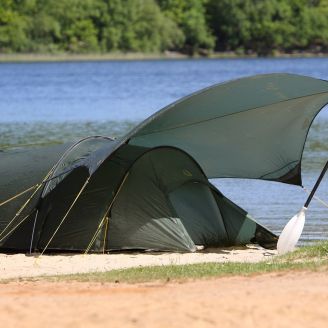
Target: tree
(190,26)
(190,16)
(12,28)
(138,25)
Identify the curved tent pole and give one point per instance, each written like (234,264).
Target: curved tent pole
(34,186)
(69,150)
(101,223)
(45,180)
(56,176)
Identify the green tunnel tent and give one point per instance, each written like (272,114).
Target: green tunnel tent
(142,198)
(150,188)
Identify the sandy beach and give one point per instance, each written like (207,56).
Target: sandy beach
(298,299)
(20,265)
(278,299)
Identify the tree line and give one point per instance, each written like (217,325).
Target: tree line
(188,26)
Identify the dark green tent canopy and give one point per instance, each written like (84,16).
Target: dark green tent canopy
(248,128)
(150,189)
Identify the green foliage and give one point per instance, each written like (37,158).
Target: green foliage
(190,16)
(190,26)
(12,28)
(262,26)
(66,25)
(315,26)
(138,25)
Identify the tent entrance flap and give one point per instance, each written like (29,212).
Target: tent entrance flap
(142,216)
(199,213)
(166,203)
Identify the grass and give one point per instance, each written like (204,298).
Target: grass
(310,258)
(67,57)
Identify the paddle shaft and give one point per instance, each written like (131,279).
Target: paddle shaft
(316,186)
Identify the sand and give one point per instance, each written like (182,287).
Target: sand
(298,299)
(20,265)
(294,299)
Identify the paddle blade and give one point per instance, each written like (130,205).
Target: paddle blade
(291,233)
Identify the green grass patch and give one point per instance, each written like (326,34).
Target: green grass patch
(309,258)
(69,57)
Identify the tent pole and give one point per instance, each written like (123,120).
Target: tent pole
(32,237)
(105,234)
(65,216)
(107,211)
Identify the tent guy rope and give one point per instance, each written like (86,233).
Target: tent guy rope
(37,188)
(293,229)
(322,202)
(65,216)
(19,194)
(101,223)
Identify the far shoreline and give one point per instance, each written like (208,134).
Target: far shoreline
(120,56)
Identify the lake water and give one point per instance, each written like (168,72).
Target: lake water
(44,103)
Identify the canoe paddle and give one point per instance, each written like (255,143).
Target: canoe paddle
(293,229)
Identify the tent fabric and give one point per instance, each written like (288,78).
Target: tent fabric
(145,214)
(77,154)
(152,183)
(204,223)
(21,169)
(163,193)
(259,123)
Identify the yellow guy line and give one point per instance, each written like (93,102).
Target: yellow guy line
(65,216)
(316,198)
(104,217)
(94,237)
(105,234)
(20,194)
(37,186)
(13,229)
(20,210)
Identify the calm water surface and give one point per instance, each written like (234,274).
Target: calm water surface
(44,103)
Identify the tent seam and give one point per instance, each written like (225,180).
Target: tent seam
(231,114)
